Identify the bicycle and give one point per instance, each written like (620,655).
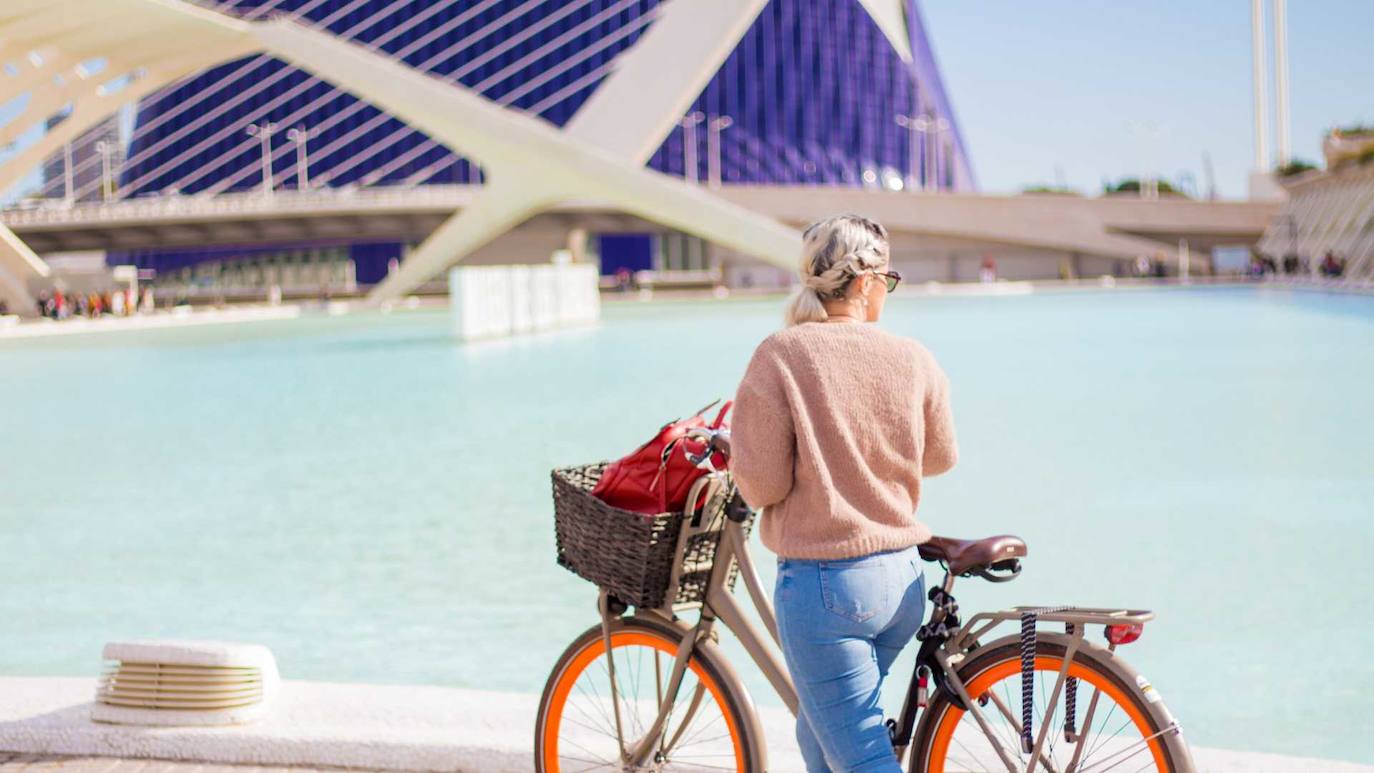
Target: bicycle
(667,698)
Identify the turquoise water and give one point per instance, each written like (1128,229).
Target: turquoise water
(370,499)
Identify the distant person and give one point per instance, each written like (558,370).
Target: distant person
(837,421)
(117,299)
(1331,267)
(988,271)
(1290,264)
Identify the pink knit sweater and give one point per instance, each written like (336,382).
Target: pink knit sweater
(835,424)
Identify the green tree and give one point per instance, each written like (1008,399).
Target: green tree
(1296,166)
(1132,185)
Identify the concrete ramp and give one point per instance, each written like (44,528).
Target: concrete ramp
(19,268)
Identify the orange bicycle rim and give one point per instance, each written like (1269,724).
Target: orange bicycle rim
(554,718)
(944,733)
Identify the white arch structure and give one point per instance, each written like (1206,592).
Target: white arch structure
(529,165)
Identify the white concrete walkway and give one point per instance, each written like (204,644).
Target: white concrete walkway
(384,727)
(12,327)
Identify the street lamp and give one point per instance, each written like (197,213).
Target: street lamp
(689,144)
(925,125)
(264,132)
(105,148)
(910,123)
(68,174)
(299,136)
(716,125)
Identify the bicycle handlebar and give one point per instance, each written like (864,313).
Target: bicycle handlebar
(716,440)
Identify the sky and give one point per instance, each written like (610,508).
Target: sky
(1116,88)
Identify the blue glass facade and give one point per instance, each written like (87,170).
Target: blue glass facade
(812,93)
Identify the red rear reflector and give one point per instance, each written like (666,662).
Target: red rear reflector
(1124,634)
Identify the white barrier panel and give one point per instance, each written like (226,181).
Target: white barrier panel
(520,319)
(497,301)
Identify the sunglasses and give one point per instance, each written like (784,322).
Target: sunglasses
(891,277)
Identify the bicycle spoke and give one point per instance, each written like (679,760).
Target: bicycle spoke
(1013,725)
(1084,732)
(594,766)
(1108,738)
(596,698)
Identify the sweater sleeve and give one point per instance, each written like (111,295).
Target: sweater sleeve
(941,448)
(762,439)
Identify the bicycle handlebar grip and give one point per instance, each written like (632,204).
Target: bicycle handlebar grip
(737,509)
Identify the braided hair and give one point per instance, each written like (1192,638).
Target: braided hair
(835,250)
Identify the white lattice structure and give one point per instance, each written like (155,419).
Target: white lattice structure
(529,165)
(1328,212)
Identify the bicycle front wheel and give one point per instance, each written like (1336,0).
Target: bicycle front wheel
(710,727)
(1119,724)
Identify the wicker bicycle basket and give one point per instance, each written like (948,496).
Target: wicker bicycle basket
(628,554)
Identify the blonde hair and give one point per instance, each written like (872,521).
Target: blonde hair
(835,250)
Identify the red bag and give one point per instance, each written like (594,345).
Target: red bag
(657,477)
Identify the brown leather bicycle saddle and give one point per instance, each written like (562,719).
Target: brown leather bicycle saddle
(963,555)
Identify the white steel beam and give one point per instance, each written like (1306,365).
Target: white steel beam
(1257,73)
(890,16)
(529,163)
(659,77)
(18,264)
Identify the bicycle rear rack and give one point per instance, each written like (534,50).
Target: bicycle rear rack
(982,622)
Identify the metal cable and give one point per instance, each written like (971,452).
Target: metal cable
(357,105)
(238,99)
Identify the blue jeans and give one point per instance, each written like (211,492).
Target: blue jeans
(842,623)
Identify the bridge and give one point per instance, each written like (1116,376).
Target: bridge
(924,226)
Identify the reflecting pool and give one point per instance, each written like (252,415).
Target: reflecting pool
(371,499)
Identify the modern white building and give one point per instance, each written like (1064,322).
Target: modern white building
(700,134)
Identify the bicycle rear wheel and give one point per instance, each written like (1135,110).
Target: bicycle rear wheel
(711,726)
(1129,728)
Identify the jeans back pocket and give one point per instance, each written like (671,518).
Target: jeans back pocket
(855,591)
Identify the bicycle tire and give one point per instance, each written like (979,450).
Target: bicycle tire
(708,665)
(1099,667)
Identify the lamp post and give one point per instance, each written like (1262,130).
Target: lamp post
(104,148)
(299,136)
(941,159)
(68,174)
(925,125)
(689,144)
(914,125)
(264,132)
(714,127)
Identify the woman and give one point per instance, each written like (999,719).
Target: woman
(836,423)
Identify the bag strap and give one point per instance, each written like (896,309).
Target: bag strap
(707,407)
(720,417)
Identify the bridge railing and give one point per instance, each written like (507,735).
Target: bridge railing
(444,197)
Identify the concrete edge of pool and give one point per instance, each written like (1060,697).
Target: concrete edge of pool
(13,328)
(391,727)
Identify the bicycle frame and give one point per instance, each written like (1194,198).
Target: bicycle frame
(719,603)
(941,655)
